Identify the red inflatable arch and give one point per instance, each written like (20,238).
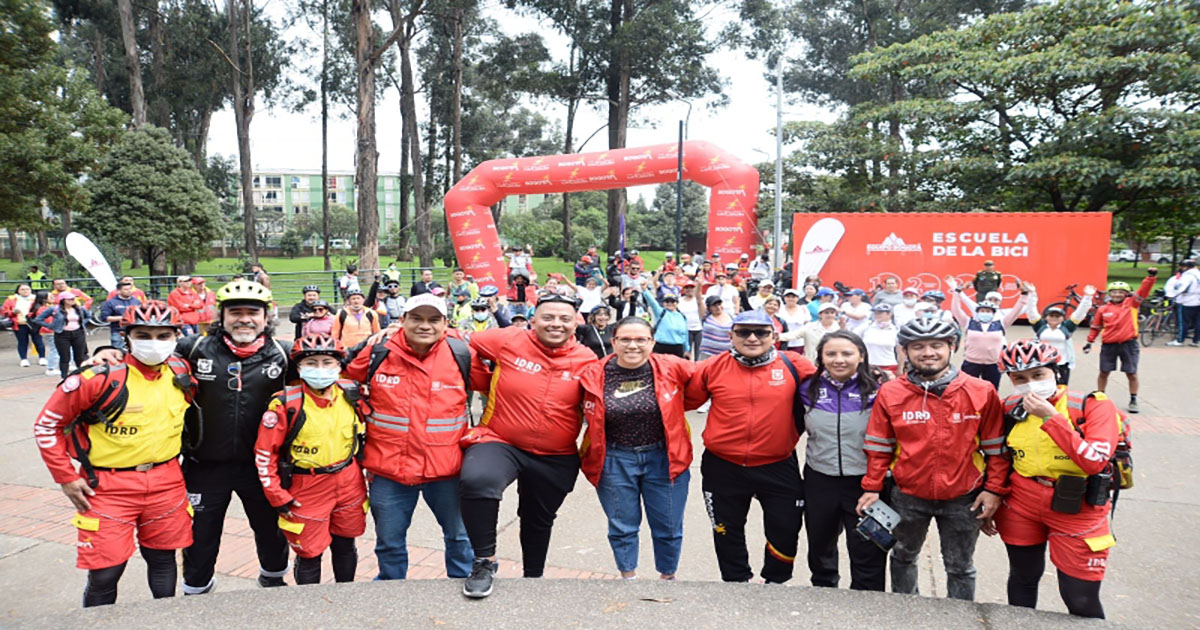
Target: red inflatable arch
(731,217)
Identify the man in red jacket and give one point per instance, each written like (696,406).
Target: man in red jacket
(527,434)
(934,429)
(1119,322)
(750,446)
(419,413)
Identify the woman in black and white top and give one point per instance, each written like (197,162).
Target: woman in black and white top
(596,334)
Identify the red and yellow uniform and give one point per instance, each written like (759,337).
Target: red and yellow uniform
(327,481)
(1119,322)
(136,459)
(1074,441)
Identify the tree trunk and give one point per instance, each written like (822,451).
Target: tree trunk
(98,62)
(617,87)
(14,247)
(200,142)
(160,108)
(135,261)
(243,111)
(366,156)
(65,219)
(325,133)
(405,185)
(137,100)
(408,102)
(43,243)
(572,104)
(456,97)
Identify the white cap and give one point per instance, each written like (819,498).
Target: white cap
(828,306)
(425,299)
(994,296)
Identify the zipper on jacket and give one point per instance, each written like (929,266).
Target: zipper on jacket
(841,471)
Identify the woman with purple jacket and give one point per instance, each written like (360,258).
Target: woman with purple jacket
(837,402)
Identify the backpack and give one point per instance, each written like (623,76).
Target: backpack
(109,406)
(458,348)
(797,403)
(342,316)
(292,399)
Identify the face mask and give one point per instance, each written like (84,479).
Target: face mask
(910,302)
(319,378)
(480,316)
(1044,388)
(151,352)
(985,316)
(928,314)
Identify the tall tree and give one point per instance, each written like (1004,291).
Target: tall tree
(241,73)
(132,62)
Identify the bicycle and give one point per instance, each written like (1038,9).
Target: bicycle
(1072,299)
(1156,319)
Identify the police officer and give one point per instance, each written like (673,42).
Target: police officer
(986,279)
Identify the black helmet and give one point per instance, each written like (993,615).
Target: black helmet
(920,328)
(351,268)
(310,287)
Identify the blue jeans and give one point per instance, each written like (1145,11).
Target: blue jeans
(116,340)
(25,335)
(51,351)
(392,506)
(1187,319)
(633,477)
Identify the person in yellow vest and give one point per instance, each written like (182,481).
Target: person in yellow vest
(37,279)
(123,423)
(306,455)
(1061,443)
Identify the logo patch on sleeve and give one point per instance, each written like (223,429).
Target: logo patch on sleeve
(269,419)
(71,384)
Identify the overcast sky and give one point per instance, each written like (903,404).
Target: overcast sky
(285,140)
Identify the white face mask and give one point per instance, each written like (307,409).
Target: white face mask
(910,301)
(1044,388)
(151,352)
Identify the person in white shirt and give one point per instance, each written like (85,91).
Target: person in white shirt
(856,312)
(766,289)
(1053,328)
(688,267)
(1188,300)
(591,294)
(727,292)
(880,338)
(692,308)
(936,298)
(812,332)
(903,312)
(796,316)
(760,268)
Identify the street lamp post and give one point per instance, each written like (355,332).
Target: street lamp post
(778,259)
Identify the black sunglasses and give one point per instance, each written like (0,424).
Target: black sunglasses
(746,333)
(548,297)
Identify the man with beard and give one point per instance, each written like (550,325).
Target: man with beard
(934,429)
(238,367)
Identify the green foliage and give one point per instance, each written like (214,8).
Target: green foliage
(147,194)
(53,126)
(291,243)
(1078,105)
(343,223)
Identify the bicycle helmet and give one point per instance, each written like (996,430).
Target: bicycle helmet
(310,287)
(920,328)
(934,295)
(480,303)
(1118,286)
(243,292)
(353,292)
(152,313)
(1027,354)
(309,345)
(488,291)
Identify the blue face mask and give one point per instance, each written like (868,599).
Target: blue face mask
(319,378)
(985,316)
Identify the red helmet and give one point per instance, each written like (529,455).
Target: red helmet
(152,313)
(1027,354)
(317,344)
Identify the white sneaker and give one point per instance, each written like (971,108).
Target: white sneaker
(24,362)
(42,361)
(52,373)
(1174,343)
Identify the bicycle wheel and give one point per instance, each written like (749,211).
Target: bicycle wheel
(1149,330)
(1171,323)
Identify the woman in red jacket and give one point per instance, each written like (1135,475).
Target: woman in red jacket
(638,445)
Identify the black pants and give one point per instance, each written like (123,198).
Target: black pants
(543,482)
(1064,373)
(694,339)
(675,349)
(989,372)
(728,490)
(829,508)
(210,487)
(1027,563)
(68,342)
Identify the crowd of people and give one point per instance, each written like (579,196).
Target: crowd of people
(374,401)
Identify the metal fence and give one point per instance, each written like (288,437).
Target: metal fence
(286,286)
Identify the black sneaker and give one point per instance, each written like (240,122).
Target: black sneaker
(270,582)
(1133,406)
(479,584)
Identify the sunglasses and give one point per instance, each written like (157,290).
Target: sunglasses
(547,297)
(746,333)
